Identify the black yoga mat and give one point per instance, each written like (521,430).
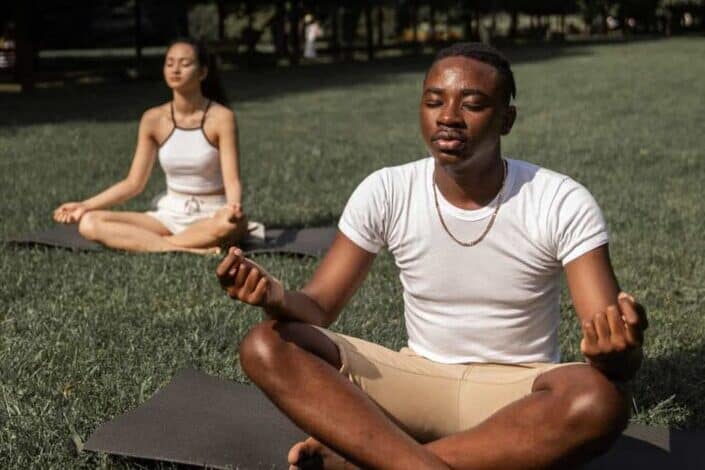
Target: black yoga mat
(202,420)
(301,241)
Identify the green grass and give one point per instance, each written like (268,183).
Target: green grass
(85,337)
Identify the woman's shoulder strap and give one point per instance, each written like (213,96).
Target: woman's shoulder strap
(171,108)
(205,111)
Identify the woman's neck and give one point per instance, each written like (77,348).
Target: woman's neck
(186,103)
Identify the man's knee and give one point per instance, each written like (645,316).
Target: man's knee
(258,349)
(270,344)
(593,408)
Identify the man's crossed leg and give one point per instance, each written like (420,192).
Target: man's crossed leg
(384,409)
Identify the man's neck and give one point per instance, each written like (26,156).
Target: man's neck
(472,186)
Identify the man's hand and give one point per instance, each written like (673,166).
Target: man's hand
(248,282)
(612,339)
(70,212)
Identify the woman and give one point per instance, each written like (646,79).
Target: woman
(195,138)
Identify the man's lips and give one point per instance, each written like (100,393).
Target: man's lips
(448,135)
(445,140)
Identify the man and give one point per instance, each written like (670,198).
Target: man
(480,241)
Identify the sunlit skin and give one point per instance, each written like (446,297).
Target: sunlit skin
(463,113)
(572,413)
(182,72)
(136,231)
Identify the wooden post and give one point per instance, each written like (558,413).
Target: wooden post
(368,31)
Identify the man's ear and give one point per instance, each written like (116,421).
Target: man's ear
(510,116)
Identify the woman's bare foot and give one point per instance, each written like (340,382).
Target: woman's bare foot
(310,447)
(211,250)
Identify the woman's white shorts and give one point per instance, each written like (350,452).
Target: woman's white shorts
(176,211)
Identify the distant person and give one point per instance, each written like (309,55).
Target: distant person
(7,47)
(482,242)
(194,136)
(312,31)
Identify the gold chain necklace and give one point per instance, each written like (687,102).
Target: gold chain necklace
(474,242)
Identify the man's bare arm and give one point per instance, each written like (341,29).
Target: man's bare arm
(612,321)
(336,279)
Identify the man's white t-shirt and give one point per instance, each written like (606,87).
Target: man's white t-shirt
(497,301)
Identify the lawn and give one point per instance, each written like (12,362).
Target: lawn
(87,336)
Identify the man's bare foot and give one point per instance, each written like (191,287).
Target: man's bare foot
(310,447)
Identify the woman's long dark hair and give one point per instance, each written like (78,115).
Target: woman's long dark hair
(211,86)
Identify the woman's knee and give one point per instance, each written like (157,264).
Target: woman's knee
(89,225)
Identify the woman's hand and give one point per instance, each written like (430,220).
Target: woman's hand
(233,217)
(248,282)
(70,212)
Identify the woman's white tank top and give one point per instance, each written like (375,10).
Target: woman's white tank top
(189,160)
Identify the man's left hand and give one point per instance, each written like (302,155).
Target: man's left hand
(612,339)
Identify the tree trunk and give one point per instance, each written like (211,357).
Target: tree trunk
(563,29)
(432,21)
(368,31)
(448,25)
(25,52)
(380,26)
(467,23)
(138,35)
(294,20)
(514,23)
(221,20)
(335,30)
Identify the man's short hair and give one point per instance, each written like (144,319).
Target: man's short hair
(487,54)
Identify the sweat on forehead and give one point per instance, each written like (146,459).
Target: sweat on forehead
(485,54)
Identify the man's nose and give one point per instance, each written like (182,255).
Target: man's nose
(450,115)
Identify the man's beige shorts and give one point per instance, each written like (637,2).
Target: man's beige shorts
(430,400)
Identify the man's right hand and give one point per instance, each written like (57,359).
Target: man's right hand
(248,282)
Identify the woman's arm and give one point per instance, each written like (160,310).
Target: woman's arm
(229,150)
(141,168)
(132,185)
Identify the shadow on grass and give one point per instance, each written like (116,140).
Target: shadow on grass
(100,90)
(670,388)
